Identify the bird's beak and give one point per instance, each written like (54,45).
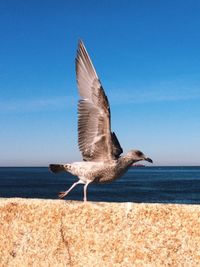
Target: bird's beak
(149,160)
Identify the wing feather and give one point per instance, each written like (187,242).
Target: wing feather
(95,139)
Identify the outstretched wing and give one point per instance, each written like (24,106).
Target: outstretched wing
(95,139)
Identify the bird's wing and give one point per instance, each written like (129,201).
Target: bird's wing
(117,149)
(95,139)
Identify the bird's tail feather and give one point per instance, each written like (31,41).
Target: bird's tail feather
(57,168)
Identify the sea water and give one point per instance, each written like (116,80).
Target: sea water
(146,184)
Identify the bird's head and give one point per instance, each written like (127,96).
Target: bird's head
(137,155)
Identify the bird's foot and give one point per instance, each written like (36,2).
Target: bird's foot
(62,194)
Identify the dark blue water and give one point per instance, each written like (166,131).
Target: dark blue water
(149,184)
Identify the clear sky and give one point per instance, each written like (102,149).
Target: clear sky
(146,53)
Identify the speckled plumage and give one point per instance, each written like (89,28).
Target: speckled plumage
(99,146)
(100,172)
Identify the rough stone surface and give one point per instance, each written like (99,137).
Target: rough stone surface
(68,233)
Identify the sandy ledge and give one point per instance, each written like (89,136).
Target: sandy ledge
(54,233)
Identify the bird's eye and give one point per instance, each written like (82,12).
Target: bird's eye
(139,153)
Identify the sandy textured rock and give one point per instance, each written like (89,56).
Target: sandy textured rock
(68,233)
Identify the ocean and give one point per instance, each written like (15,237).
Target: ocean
(145,184)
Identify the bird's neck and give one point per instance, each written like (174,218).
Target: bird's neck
(126,161)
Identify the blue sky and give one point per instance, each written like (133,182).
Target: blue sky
(146,54)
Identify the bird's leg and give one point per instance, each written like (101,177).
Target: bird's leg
(85,190)
(63,194)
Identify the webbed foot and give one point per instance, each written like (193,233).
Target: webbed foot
(62,194)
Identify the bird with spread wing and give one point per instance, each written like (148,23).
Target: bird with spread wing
(99,146)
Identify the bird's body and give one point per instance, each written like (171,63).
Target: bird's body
(99,172)
(99,146)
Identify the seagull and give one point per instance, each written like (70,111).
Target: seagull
(99,146)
